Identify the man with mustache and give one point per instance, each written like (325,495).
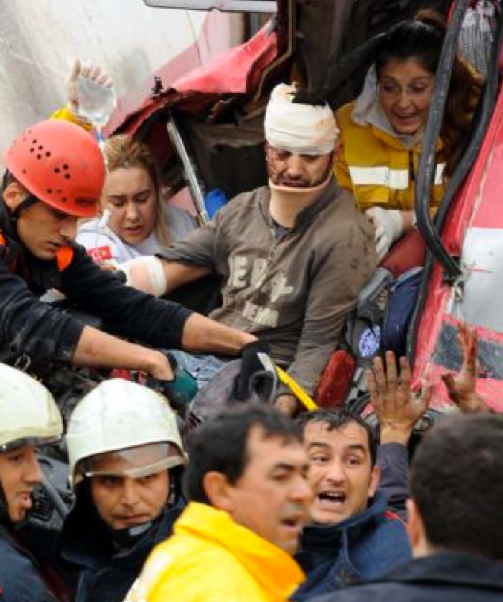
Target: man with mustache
(248,497)
(292,256)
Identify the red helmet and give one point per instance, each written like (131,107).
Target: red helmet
(60,164)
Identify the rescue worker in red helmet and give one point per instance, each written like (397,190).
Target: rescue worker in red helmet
(29,417)
(55,175)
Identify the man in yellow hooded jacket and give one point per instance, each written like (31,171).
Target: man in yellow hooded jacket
(248,491)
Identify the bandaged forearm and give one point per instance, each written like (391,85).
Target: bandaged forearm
(145,274)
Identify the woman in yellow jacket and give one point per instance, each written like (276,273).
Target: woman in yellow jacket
(381,131)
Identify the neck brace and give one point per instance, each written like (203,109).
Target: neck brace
(287,202)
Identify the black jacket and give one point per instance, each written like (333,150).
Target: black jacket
(107,574)
(446,577)
(44,333)
(22,578)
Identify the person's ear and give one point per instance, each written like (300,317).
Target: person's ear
(375,477)
(415,527)
(218,491)
(14,194)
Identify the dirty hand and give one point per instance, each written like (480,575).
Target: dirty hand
(108,267)
(286,404)
(159,366)
(396,408)
(388,225)
(461,387)
(92,72)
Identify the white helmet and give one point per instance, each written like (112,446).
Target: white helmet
(28,412)
(119,415)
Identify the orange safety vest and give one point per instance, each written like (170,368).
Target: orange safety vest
(64,256)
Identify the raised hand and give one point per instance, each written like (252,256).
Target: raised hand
(396,408)
(461,387)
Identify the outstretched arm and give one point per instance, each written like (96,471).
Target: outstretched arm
(201,334)
(101,350)
(397,411)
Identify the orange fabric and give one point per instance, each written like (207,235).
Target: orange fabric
(64,258)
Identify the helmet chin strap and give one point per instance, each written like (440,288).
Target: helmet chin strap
(25,204)
(4,508)
(124,538)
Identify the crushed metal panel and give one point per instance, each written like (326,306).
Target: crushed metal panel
(238,6)
(328,30)
(481,301)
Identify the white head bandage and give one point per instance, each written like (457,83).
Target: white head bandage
(296,127)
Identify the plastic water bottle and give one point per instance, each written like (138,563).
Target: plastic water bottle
(96,102)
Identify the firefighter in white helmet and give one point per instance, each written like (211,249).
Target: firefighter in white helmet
(126,459)
(29,417)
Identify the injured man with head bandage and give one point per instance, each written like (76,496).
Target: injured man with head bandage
(291,256)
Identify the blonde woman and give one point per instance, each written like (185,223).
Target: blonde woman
(135,219)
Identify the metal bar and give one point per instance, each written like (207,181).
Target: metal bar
(189,170)
(231,6)
(427,165)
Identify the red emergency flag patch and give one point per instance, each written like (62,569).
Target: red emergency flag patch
(100,253)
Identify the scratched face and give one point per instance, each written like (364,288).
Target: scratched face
(297,171)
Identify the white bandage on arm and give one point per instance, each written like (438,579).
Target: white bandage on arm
(146,274)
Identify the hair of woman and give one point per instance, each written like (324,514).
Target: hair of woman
(421,39)
(122,152)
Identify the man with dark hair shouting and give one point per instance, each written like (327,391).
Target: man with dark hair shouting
(455,518)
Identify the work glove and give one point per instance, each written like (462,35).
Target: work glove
(90,71)
(388,225)
(257,378)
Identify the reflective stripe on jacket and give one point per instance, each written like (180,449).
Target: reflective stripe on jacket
(210,558)
(378,168)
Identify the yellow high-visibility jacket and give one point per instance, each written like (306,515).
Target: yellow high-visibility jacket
(378,168)
(210,558)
